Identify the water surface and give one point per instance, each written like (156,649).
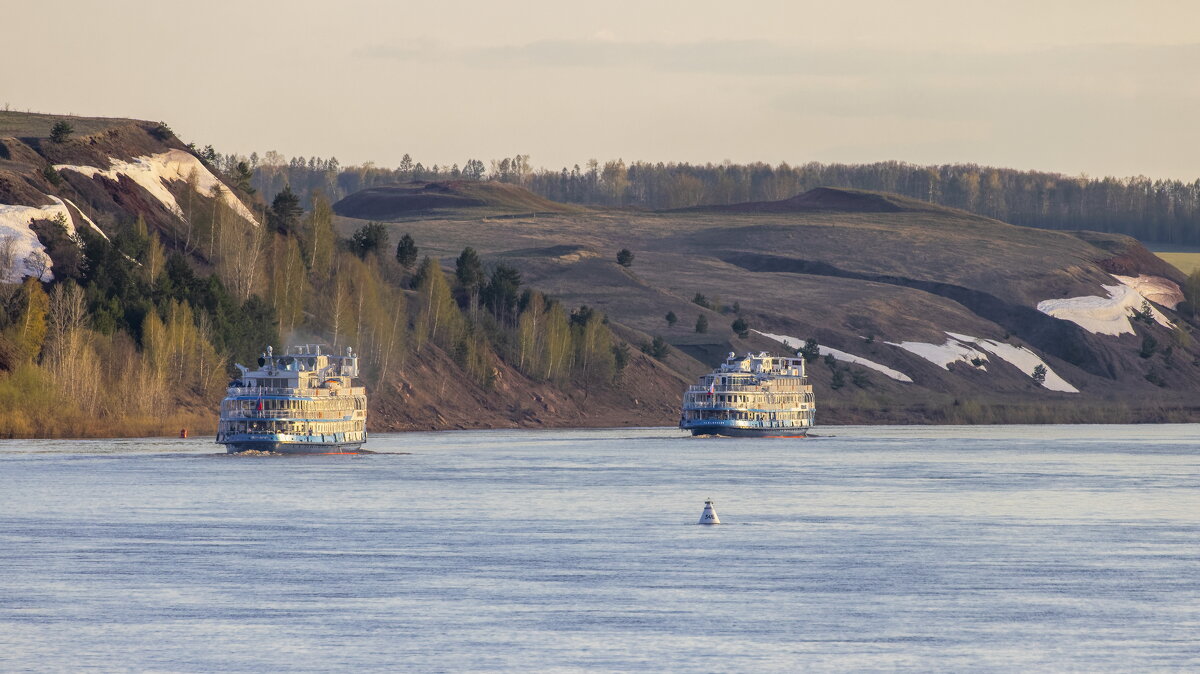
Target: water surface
(898,548)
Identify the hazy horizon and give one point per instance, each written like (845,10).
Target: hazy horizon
(1077,88)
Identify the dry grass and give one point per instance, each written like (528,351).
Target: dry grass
(1184,262)
(38,125)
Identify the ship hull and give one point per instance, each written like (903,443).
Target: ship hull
(293,447)
(736,432)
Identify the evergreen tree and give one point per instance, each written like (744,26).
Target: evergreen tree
(1149,346)
(811,350)
(625,257)
(370,238)
(52,175)
(242,175)
(468,269)
(672,319)
(61,130)
(1039,375)
(500,293)
(284,214)
(702,323)
(406,251)
(838,380)
(741,327)
(659,348)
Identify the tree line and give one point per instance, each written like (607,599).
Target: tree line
(1153,210)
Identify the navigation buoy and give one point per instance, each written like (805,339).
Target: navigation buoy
(709,516)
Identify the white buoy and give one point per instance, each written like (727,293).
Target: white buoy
(709,516)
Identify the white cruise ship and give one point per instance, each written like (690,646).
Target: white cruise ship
(751,396)
(303,402)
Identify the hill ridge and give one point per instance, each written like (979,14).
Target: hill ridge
(828,199)
(396,201)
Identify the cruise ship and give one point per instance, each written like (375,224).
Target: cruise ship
(751,396)
(303,402)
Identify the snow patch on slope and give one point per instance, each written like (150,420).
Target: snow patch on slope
(794,343)
(965,348)
(1021,358)
(1103,315)
(942,355)
(14,223)
(86,219)
(153,172)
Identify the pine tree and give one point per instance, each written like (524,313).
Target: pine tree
(406,251)
(625,257)
(61,130)
(370,238)
(468,269)
(838,380)
(811,350)
(741,327)
(500,293)
(242,175)
(702,323)
(659,348)
(1039,375)
(285,212)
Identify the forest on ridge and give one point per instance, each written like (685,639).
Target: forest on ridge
(1151,210)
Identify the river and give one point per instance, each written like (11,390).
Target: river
(897,548)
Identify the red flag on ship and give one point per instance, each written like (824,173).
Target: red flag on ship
(260,406)
(712,387)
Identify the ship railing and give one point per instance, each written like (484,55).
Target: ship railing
(742,407)
(264,390)
(259,414)
(723,389)
(295,392)
(293,415)
(774,387)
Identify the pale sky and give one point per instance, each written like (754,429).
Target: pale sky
(1102,88)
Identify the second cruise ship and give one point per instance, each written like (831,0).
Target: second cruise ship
(751,396)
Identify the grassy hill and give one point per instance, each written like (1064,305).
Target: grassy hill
(419,199)
(125,257)
(856,270)
(927,314)
(38,125)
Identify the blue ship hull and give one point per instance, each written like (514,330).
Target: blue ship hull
(270,443)
(294,448)
(744,431)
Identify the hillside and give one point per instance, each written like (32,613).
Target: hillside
(940,315)
(419,199)
(822,200)
(127,257)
